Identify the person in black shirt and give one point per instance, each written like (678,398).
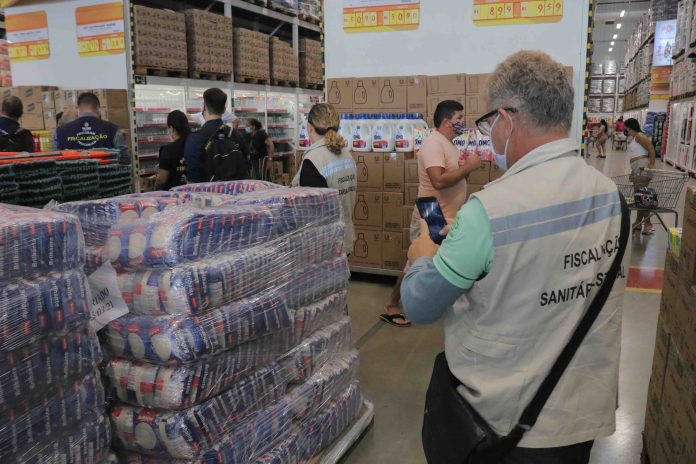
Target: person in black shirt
(171,157)
(12,137)
(261,145)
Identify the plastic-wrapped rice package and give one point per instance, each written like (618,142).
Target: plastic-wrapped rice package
(318,314)
(195,287)
(300,206)
(34,242)
(196,199)
(183,234)
(180,339)
(26,426)
(30,308)
(316,282)
(234,187)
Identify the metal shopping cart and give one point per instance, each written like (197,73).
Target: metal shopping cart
(653,192)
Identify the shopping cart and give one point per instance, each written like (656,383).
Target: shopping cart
(666,186)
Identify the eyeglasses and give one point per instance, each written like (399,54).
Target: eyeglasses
(484,124)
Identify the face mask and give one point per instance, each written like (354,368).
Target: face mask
(501,159)
(248,130)
(458,127)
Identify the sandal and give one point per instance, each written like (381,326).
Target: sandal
(648,231)
(390,319)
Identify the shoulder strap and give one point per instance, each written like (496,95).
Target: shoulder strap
(212,137)
(532,411)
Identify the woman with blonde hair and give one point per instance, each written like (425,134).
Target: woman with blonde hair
(329,164)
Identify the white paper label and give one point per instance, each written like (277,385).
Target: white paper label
(107,301)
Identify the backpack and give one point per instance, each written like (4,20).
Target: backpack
(12,142)
(224,159)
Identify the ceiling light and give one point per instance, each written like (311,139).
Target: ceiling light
(618,26)
(610,49)
(612,44)
(622,14)
(616,36)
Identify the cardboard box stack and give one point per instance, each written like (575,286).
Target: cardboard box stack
(5,71)
(284,63)
(160,39)
(476,105)
(283,169)
(311,63)
(32,98)
(251,55)
(114,106)
(209,39)
(670,418)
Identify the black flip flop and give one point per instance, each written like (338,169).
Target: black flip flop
(389,319)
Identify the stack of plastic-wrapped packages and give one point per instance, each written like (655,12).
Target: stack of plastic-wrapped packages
(237,346)
(51,395)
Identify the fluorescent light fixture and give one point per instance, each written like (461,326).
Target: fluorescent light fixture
(611,49)
(616,36)
(612,43)
(622,14)
(618,26)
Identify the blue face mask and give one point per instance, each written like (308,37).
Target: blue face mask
(248,130)
(500,159)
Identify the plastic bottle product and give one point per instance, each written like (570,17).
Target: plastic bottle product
(345,130)
(334,93)
(360,248)
(362,169)
(387,93)
(418,121)
(403,138)
(384,134)
(360,94)
(361,212)
(362,133)
(303,142)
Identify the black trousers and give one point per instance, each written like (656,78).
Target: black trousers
(573,454)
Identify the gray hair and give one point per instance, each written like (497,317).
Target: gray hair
(537,86)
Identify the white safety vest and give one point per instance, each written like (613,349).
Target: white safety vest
(556,223)
(340,174)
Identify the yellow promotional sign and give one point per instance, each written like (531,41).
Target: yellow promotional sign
(100,29)
(503,12)
(380,15)
(27,36)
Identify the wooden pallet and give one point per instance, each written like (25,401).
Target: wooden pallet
(283,83)
(280,9)
(250,80)
(161,72)
(209,76)
(309,19)
(305,85)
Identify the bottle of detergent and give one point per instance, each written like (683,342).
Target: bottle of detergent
(361,168)
(303,142)
(345,130)
(360,248)
(361,212)
(403,139)
(334,94)
(418,121)
(362,133)
(383,134)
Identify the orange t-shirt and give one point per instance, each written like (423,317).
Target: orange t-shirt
(436,150)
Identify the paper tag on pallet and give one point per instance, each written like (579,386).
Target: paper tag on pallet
(107,302)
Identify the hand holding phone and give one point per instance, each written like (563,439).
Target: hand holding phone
(430,211)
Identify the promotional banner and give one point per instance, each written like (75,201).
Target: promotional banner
(380,15)
(503,12)
(665,35)
(100,29)
(27,36)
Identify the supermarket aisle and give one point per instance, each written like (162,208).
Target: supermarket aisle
(396,363)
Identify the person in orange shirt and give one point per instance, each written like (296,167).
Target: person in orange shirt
(441,174)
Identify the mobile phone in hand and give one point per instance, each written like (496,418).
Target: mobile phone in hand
(430,211)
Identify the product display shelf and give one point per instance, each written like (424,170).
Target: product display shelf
(270,13)
(647,41)
(681,137)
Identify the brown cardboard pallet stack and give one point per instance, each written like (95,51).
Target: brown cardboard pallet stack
(283,169)
(209,39)
(285,68)
(32,98)
(251,56)
(311,64)
(670,418)
(160,42)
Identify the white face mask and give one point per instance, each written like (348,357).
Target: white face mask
(501,159)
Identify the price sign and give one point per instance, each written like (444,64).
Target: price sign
(380,15)
(503,12)
(27,36)
(100,29)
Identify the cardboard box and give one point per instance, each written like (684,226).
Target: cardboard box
(368,210)
(393,93)
(365,93)
(447,84)
(418,94)
(392,211)
(32,94)
(367,249)
(33,107)
(407,238)
(689,235)
(433,101)
(340,93)
(496,172)
(32,121)
(407,215)
(118,116)
(476,105)
(393,250)
(47,100)
(476,83)
(670,291)
(471,189)
(49,117)
(410,193)
(370,170)
(112,98)
(480,176)
(471,121)
(394,168)
(411,171)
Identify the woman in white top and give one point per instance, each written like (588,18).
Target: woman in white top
(642,156)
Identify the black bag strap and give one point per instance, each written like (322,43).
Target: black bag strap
(223,129)
(533,409)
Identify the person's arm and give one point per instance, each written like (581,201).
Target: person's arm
(442,179)
(646,143)
(270,146)
(193,158)
(161,179)
(165,168)
(310,176)
(433,284)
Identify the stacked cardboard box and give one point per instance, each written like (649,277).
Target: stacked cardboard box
(5,71)
(670,419)
(114,105)
(32,99)
(284,63)
(311,63)
(283,169)
(251,55)
(476,105)
(160,39)
(209,39)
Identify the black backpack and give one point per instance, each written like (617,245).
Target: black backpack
(12,142)
(224,159)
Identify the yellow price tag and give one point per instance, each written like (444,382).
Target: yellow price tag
(40,49)
(348,20)
(113,43)
(558,8)
(549,8)
(386,18)
(477,12)
(508,11)
(18,51)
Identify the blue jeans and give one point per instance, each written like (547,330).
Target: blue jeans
(573,454)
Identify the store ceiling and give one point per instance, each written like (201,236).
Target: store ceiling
(602,36)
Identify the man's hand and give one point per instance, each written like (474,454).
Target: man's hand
(423,246)
(470,164)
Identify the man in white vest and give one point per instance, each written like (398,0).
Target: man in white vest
(519,268)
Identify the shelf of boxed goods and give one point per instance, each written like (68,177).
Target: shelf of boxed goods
(650,38)
(269,13)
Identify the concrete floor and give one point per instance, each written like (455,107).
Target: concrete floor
(396,363)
